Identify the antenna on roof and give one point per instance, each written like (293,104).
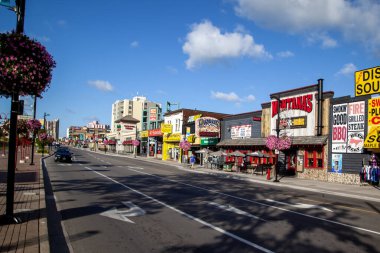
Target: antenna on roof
(169,104)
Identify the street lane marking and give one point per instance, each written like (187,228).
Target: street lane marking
(121,214)
(263,204)
(235,210)
(220,230)
(300,205)
(132,167)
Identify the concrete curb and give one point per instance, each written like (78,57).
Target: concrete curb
(43,234)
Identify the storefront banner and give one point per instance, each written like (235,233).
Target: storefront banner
(154,132)
(166,128)
(193,118)
(339,128)
(372,139)
(153,114)
(209,141)
(298,112)
(208,126)
(355,142)
(367,81)
(336,161)
(172,137)
(241,132)
(356,122)
(144,134)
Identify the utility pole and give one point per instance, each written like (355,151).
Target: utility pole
(34,131)
(277,135)
(20,11)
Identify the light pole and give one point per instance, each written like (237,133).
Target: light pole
(277,134)
(34,131)
(20,12)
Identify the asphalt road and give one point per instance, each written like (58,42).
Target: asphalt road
(119,204)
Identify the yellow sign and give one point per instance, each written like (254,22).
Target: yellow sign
(191,138)
(367,81)
(172,137)
(166,128)
(373,139)
(144,134)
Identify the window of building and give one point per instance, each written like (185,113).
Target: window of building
(314,158)
(177,125)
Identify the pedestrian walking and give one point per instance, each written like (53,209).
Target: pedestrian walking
(192,160)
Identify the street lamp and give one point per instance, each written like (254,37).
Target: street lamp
(34,131)
(277,134)
(10,218)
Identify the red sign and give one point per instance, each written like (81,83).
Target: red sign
(155,132)
(303,103)
(209,134)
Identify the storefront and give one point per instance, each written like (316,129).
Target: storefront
(348,130)
(126,131)
(302,116)
(155,143)
(144,143)
(170,148)
(242,132)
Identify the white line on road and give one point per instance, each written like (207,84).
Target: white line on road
(235,210)
(300,205)
(263,204)
(220,230)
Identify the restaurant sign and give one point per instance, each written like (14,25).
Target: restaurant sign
(209,141)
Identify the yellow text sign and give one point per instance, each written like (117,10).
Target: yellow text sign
(367,81)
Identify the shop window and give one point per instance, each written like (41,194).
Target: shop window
(314,158)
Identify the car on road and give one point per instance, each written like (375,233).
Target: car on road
(63,155)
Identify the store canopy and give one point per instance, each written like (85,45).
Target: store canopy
(218,153)
(203,151)
(127,119)
(309,140)
(243,142)
(258,154)
(296,140)
(236,154)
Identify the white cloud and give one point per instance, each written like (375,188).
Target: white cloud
(231,97)
(134,44)
(101,85)
(347,69)
(285,54)
(322,38)
(205,43)
(250,98)
(356,21)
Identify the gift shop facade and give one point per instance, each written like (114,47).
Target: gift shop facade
(303,116)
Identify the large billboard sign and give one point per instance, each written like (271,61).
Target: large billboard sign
(367,81)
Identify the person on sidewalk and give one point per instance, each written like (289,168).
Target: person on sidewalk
(192,160)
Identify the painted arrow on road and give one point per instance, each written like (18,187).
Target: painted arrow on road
(235,210)
(123,214)
(300,205)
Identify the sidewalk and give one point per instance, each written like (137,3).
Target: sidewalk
(31,235)
(363,192)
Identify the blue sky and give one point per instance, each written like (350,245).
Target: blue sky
(216,55)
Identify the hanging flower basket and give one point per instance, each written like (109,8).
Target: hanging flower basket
(33,125)
(25,65)
(185,145)
(135,143)
(282,143)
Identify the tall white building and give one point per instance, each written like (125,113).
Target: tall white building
(139,108)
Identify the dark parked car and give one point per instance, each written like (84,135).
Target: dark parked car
(63,155)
